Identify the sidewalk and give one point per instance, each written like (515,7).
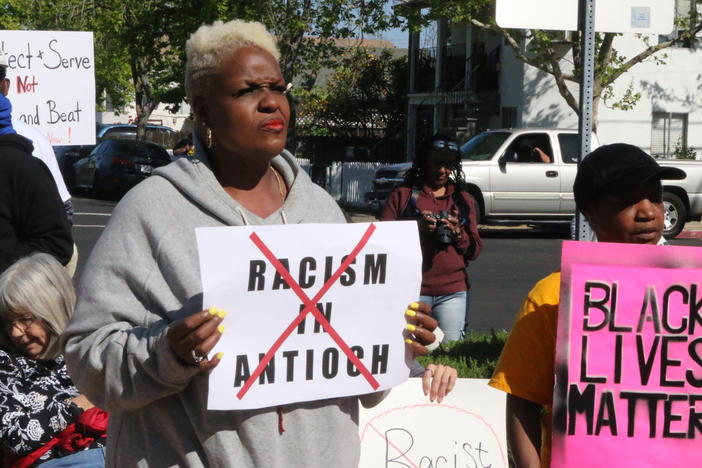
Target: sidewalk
(692,230)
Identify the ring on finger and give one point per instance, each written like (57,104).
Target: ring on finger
(196,357)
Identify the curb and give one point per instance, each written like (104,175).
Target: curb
(689,235)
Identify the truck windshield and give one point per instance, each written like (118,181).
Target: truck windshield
(483,146)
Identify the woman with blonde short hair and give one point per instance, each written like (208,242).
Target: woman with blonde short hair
(38,402)
(140,343)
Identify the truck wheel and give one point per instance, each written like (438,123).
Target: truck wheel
(675,215)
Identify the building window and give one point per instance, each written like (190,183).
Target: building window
(668,134)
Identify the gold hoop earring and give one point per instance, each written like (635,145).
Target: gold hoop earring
(208,137)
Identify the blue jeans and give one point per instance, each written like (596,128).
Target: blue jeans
(92,458)
(451,313)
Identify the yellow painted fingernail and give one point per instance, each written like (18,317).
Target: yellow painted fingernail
(408,341)
(220,328)
(212,310)
(411,327)
(414,305)
(410,313)
(219,355)
(221,313)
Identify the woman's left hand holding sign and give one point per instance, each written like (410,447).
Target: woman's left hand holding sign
(420,326)
(193,337)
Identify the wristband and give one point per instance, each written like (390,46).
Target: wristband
(439,334)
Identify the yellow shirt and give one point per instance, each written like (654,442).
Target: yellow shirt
(526,366)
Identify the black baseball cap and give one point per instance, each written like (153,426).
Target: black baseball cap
(617,168)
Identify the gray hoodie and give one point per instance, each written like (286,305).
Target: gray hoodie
(143,275)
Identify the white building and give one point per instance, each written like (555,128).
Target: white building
(477,83)
(669,111)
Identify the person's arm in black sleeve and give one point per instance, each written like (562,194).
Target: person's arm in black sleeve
(39,218)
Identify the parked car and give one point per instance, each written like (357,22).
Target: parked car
(68,155)
(114,166)
(164,136)
(506,173)
(385,180)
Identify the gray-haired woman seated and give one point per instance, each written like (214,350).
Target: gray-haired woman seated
(139,341)
(44,418)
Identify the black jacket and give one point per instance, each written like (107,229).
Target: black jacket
(31,213)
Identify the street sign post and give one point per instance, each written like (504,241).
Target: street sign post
(586,26)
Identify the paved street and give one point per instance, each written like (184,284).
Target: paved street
(513,259)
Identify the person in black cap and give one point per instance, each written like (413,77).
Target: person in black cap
(618,189)
(610,187)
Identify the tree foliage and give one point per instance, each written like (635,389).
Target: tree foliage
(308,31)
(111,66)
(140,44)
(538,48)
(365,95)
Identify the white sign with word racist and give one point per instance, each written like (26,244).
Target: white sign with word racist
(314,311)
(467,429)
(52,83)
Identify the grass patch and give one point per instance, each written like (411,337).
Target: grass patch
(474,357)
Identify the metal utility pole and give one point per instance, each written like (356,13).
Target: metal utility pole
(586,26)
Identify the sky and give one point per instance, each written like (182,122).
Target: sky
(396,36)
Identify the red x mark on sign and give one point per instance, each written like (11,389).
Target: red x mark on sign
(310,307)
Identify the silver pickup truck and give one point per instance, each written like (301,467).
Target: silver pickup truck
(526,175)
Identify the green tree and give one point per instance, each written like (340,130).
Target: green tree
(112,74)
(365,96)
(312,34)
(538,48)
(140,44)
(309,31)
(153,34)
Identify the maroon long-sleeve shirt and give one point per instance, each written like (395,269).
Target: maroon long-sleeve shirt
(443,269)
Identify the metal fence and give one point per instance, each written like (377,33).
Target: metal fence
(305,164)
(348,182)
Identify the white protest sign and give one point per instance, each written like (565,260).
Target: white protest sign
(620,16)
(52,83)
(467,429)
(357,280)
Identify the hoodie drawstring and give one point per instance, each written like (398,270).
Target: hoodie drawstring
(281,428)
(243,216)
(246,220)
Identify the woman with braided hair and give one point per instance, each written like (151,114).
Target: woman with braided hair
(433,193)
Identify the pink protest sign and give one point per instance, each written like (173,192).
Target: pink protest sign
(629,357)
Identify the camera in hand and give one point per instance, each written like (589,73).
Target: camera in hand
(443,232)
